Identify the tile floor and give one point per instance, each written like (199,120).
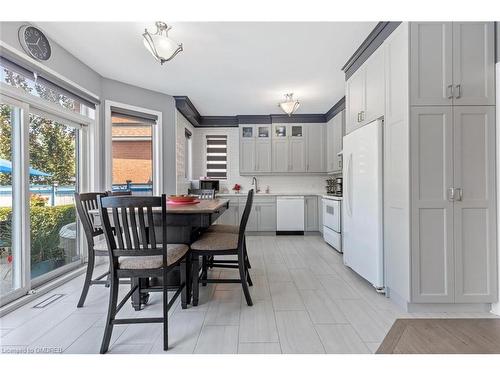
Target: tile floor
(305,301)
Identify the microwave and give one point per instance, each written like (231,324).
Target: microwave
(210,185)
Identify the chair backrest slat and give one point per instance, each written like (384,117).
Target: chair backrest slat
(118,228)
(126,227)
(245,216)
(151,226)
(142,225)
(118,193)
(133,228)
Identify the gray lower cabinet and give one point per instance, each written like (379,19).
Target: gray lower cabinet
(263,215)
(232,214)
(453,204)
(311,214)
(474,207)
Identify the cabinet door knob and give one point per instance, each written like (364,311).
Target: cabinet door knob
(451,194)
(459,93)
(450,91)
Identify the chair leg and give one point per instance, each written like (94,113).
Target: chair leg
(196,269)
(88,278)
(204,269)
(183,267)
(113,300)
(247,261)
(165,311)
(249,279)
(243,277)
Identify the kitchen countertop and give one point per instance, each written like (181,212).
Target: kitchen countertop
(278,194)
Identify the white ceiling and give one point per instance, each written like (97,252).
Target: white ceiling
(226,68)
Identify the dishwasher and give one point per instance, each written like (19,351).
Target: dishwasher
(290,214)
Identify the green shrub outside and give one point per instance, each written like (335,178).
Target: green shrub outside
(46,221)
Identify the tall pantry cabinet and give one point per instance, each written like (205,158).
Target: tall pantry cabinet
(440,229)
(452,152)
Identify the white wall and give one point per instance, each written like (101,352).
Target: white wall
(183,184)
(278,184)
(495,308)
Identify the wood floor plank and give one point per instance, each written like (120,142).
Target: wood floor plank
(285,296)
(259,348)
(322,309)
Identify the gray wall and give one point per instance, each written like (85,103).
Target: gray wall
(132,95)
(71,68)
(61,60)
(497,26)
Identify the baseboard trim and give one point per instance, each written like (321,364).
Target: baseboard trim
(289,232)
(449,307)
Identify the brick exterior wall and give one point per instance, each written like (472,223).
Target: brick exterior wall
(132,161)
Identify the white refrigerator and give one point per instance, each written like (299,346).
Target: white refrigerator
(363,202)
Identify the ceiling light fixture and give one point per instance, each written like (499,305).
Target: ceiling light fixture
(289,106)
(160,45)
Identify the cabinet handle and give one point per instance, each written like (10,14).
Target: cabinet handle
(459,94)
(340,163)
(451,194)
(459,191)
(362,115)
(450,91)
(359,116)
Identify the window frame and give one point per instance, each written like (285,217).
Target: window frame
(156,139)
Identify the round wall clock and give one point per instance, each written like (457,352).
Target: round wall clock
(34,42)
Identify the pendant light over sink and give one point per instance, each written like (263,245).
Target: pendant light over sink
(160,45)
(289,106)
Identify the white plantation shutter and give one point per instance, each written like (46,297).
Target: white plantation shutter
(217,156)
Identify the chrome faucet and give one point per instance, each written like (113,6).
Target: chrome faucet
(254,183)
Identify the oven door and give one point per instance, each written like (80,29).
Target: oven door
(331,214)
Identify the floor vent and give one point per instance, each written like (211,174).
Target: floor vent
(53,298)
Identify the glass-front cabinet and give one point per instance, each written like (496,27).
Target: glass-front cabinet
(263,131)
(297,131)
(280,131)
(247,131)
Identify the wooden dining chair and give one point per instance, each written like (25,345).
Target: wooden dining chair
(137,251)
(96,247)
(118,193)
(211,244)
(203,194)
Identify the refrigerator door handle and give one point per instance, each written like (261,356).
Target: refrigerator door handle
(348,187)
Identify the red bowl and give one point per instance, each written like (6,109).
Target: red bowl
(181,198)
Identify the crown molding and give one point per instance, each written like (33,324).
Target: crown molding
(188,110)
(337,107)
(379,33)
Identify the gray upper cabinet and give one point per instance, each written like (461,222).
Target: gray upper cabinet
(280,155)
(431,55)
(315,148)
(247,155)
(474,204)
(452,63)
(335,132)
(474,63)
(311,214)
(255,148)
(432,212)
(297,158)
(365,92)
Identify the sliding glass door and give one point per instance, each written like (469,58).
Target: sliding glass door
(39,173)
(13,261)
(53,180)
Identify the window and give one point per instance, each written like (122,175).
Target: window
(217,156)
(132,151)
(187,154)
(34,84)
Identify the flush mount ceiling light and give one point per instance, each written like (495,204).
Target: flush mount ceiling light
(160,45)
(289,106)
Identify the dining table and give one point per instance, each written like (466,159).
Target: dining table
(185,222)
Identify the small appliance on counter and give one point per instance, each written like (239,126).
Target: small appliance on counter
(209,184)
(334,186)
